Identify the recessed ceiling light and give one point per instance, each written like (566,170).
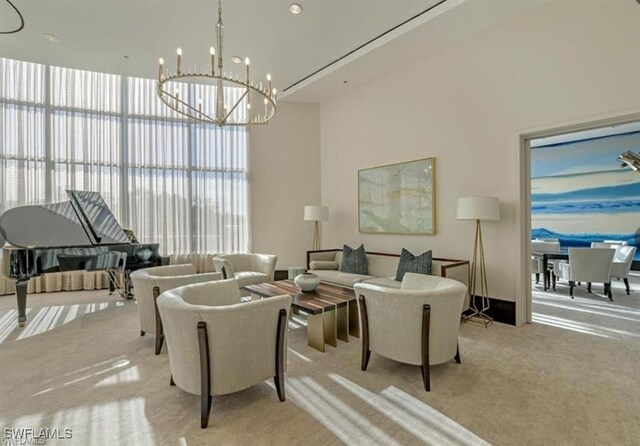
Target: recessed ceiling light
(295,8)
(52,37)
(236,59)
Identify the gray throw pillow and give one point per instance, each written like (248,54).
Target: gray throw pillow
(409,263)
(354,260)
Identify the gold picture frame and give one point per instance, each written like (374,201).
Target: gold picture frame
(398,198)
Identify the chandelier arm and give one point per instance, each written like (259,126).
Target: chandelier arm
(163,97)
(235,106)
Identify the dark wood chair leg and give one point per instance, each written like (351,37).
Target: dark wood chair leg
(171,383)
(426,322)
(159,330)
(626,285)
(457,356)
(364,323)
(588,287)
(537,278)
(607,291)
(205,375)
(142,333)
(571,285)
(279,378)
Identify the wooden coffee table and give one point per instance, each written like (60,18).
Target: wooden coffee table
(332,311)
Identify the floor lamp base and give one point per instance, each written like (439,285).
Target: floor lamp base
(478,315)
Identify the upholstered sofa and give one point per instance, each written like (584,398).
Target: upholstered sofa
(381,268)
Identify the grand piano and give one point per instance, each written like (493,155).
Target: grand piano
(79,234)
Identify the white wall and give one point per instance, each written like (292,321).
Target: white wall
(563,63)
(284,173)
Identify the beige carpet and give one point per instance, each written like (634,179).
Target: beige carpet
(572,377)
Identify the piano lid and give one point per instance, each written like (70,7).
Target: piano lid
(86,220)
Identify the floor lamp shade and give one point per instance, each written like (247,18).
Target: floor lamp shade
(478,208)
(316,214)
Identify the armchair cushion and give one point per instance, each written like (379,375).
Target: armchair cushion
(409,263)
(354,261)
(245,278)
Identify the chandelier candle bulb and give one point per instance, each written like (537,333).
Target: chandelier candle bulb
(179,52)
(161,68)
(269,80)
(212,51)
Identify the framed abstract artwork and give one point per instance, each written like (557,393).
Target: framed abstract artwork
(398,198)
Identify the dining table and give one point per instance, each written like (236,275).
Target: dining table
(545,256)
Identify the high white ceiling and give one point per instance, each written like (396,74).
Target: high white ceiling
(98,34)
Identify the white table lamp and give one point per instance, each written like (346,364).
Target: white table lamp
(478,209)
(316,214)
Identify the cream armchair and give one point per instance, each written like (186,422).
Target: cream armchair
(149,283)
(417,324)
(218,345)
(247,269)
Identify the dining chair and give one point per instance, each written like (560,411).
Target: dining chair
(539,245)
(616,242)
(621,265)
(588,265)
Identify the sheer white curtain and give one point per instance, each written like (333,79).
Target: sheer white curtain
(174,182)
(86,135)
(22,134)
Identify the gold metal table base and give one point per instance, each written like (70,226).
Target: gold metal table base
(329,326)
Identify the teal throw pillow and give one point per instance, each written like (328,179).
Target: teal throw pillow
(409,263)
(354,260)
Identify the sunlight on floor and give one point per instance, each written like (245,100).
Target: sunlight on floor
(421,420)
(342,420)
(47,318)
(129,375)
(106,423)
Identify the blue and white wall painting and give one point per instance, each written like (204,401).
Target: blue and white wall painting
(580,194)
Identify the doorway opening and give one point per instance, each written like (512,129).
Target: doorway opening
(582,195)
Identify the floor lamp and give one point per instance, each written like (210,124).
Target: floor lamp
(316,214)
(479,209)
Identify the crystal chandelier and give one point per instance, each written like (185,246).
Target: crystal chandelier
(231,101)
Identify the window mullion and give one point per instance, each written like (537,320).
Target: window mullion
(48,139)
(124,153)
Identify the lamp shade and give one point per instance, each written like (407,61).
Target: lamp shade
(316,213)
(478,208)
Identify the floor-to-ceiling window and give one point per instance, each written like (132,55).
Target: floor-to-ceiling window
(173,181)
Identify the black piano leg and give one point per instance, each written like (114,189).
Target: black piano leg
(21,295)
